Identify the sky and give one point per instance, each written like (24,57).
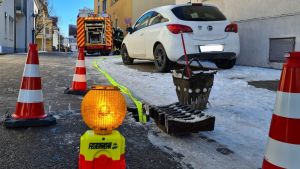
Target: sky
(67,11)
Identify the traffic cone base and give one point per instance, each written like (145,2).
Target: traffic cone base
(75,92)
(11,122)
(79,83)
(283,147)
(30,107)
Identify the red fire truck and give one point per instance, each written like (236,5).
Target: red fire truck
(94,33)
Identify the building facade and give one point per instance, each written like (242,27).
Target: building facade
(25,10)
(18,25)
(124,13)
(7,20)
(47,31)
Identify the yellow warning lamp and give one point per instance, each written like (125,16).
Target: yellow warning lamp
(103,109)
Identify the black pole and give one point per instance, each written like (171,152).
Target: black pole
(33,32)
(33,29)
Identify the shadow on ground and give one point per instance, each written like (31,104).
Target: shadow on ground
(265,84)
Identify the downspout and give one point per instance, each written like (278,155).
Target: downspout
(26,7)
(15,34)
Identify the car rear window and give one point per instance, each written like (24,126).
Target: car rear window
(198,13)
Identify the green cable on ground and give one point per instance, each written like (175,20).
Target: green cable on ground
(125,90)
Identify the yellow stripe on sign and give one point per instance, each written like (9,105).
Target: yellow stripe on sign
(124,90)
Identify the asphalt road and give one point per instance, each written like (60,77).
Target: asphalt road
(57,147)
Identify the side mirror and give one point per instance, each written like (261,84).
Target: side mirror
(129,29)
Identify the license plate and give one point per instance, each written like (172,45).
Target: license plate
(212,48)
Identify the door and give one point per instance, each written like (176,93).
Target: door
(137,37)
(155,26)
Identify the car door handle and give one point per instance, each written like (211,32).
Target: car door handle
(141,34)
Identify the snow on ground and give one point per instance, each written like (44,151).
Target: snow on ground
(243,112)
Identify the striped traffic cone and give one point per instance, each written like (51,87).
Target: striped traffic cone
(30,106)
(283,148)
(79,84)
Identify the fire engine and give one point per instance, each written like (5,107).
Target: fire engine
(94,32)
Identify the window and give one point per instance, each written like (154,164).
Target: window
(113,2)
(143,21)
(11,28)
(104,5)
(157,18)
(279,47)
(99,7)
(116,22)
(198,13)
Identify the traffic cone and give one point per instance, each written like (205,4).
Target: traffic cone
(79,84)
(283,148)
(30,106)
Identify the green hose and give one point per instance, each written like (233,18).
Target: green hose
(124,90)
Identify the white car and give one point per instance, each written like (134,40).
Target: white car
(156,35)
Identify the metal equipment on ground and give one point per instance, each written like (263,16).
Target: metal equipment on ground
(177,118)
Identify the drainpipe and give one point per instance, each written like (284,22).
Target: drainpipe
(26,24)
(44,34)
(15,34)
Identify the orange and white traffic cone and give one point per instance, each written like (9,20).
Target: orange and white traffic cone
(283,148)
(30,106)
(79,84)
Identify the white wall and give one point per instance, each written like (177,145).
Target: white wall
(23,38)
(6,38)
(237,10)
(73,43)
(187,1)
(260,20)
(20,33)
(24,26)
(141,6)
(55,38)
(30,20)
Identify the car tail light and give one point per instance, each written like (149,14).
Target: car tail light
(177,28)
(233,27)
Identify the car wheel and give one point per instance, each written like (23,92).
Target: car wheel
(125,56)
(161,60)
(225,64)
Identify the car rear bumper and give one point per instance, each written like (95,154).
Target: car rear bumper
(175,52)
(210,56)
